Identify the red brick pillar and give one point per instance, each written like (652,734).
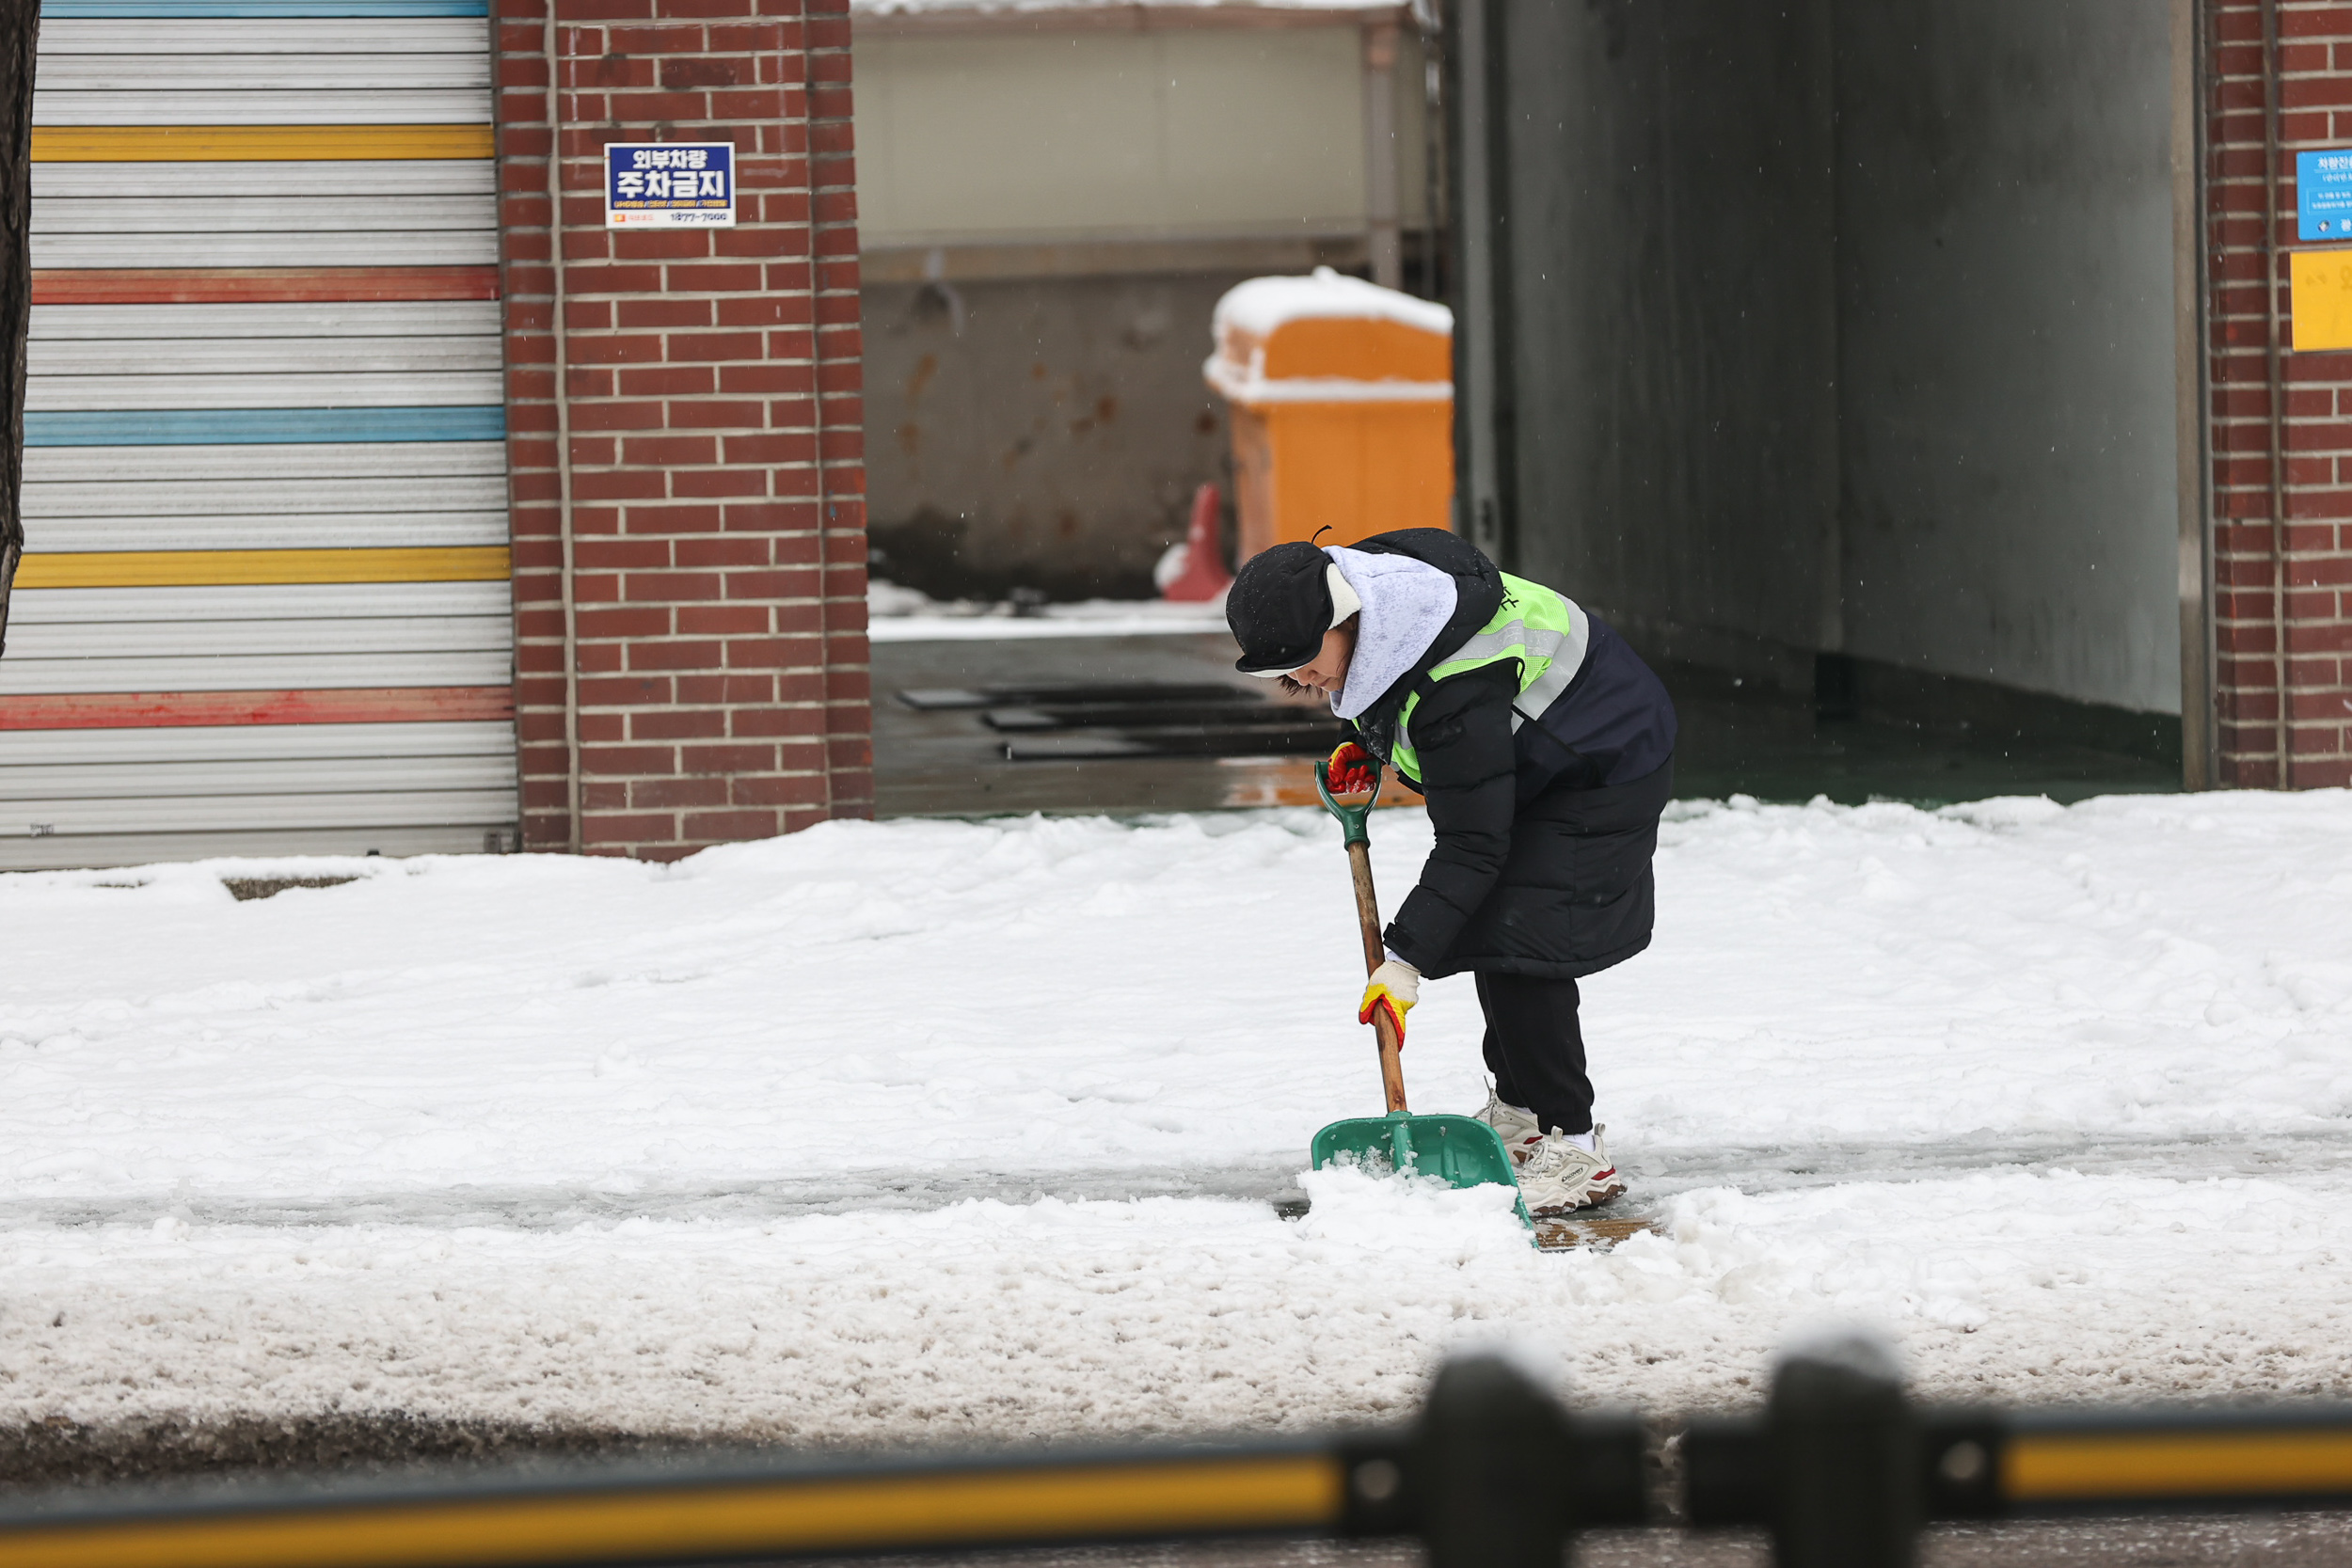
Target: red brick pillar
(716,494)
(2282,600)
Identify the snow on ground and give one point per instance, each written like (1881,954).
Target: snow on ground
(898,615)
(755,1144)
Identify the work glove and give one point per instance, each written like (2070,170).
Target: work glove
(1350,769)
(1394,986)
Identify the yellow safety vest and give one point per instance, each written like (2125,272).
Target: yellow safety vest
(1544,631)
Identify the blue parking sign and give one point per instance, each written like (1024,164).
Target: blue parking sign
(2323,195)
(669,184)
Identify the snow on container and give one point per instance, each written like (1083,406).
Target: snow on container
(1342,408)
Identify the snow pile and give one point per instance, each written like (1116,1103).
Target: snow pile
(900,614)
(1262,306)
(886,600)
(918,1129)
(1253,311)
(985,1319)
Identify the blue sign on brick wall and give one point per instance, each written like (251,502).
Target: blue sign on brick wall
(671,184)
(2323,195)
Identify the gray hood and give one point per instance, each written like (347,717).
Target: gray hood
(1407,604)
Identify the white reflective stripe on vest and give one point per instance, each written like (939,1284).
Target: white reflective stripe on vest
(1564,649)
(1567,658)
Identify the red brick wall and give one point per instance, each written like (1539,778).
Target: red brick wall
(717,492)
(2256,569)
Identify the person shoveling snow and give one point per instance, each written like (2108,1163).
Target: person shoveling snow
(1544,747)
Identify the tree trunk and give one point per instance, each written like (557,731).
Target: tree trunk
(19,36)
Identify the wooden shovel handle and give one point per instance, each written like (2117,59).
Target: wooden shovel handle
(1391,1068)
(1368,917)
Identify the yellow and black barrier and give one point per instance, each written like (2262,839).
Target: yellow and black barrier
(1841,1468)
(2194,1459)
(1484,1425)
(589,1517)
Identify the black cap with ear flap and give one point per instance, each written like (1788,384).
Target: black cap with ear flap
(1280,606)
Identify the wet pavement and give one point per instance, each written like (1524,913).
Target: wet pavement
(950,761)
(1734,741)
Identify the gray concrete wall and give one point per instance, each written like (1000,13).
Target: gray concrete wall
(1675,332)
(2006,374)
(1043,433)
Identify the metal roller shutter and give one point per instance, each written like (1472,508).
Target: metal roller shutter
(266,606)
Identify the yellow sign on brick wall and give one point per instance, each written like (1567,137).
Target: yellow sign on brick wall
(2322,296)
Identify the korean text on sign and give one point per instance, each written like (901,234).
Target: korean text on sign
(669,184)
(2323,194)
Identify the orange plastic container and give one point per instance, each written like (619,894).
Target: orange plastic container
(1342,408)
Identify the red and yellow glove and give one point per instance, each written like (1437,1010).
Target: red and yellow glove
(1349,771)
(1394,986)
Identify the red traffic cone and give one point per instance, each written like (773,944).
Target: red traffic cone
(1194,572)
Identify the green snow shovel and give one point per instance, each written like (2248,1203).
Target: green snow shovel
(1462,1151)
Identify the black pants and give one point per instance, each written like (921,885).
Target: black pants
(1535,1048)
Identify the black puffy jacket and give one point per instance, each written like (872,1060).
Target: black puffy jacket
(1545,836)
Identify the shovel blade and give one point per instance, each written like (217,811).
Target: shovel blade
(1461,1151)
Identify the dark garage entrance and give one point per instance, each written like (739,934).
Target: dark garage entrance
(1843,349)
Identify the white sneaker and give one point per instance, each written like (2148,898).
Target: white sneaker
(1556,1175)
(1515,1125)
